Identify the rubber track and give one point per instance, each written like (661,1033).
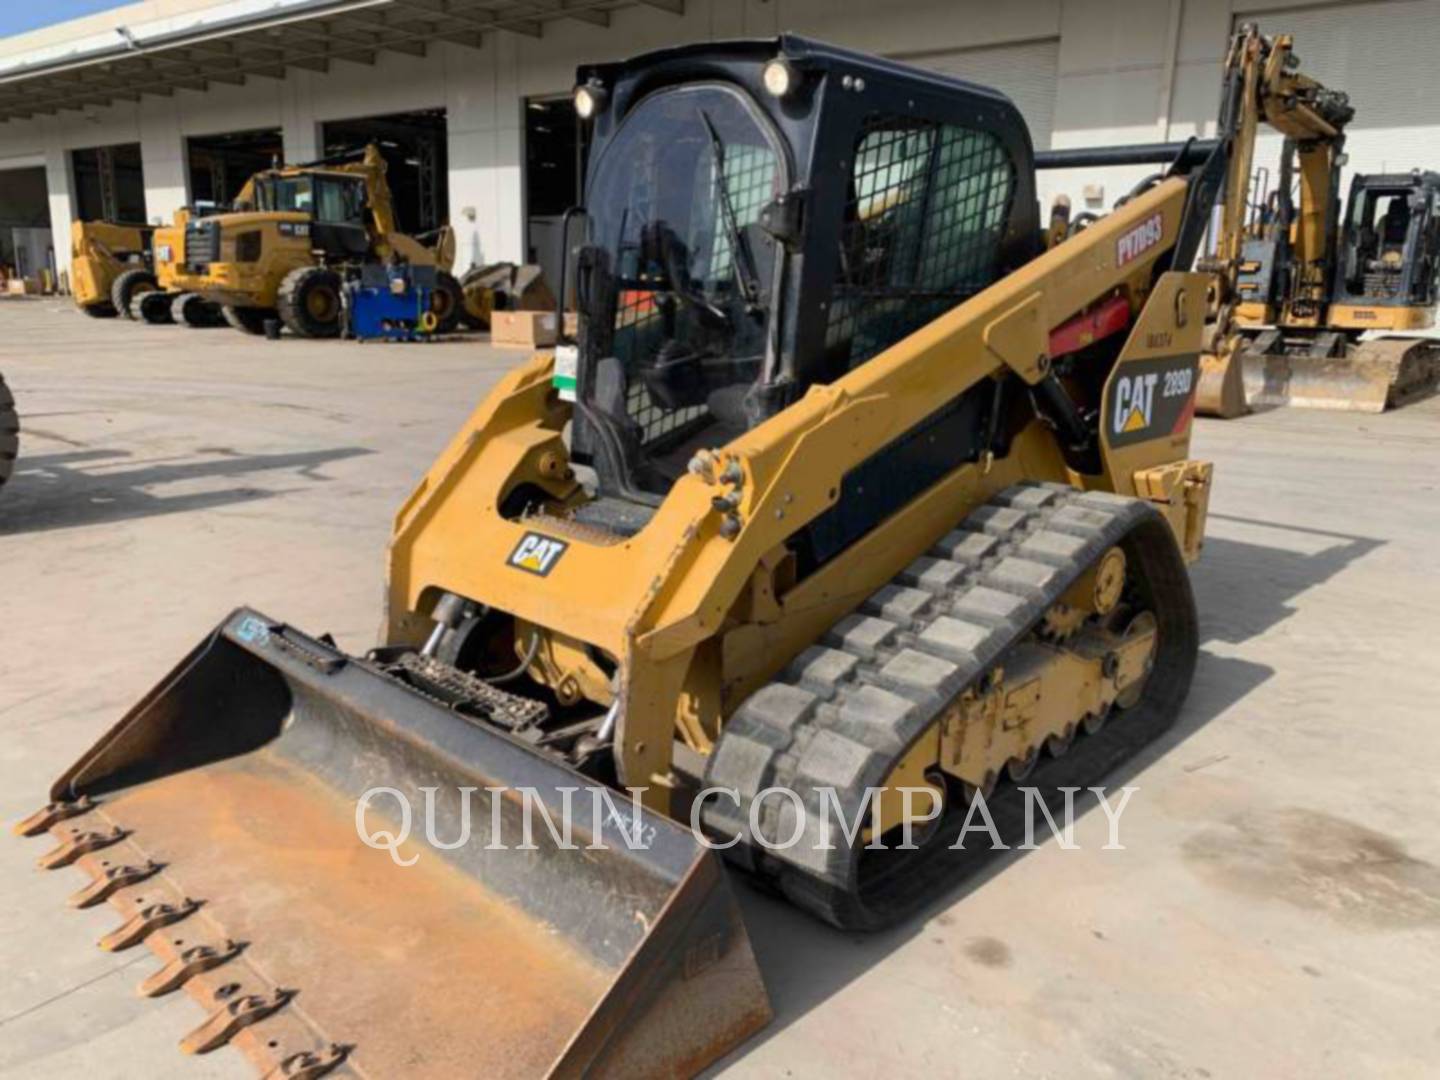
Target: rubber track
(846,710)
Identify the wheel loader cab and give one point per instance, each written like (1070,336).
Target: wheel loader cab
(762,220)
(335,204)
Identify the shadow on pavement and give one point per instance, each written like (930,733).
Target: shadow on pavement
(95,486)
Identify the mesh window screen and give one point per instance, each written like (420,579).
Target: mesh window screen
(750,183)
(922,228)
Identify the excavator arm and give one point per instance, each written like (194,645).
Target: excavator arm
(1264,73)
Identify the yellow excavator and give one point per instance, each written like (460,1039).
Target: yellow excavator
(295,235)
(1313,310)
(850,504)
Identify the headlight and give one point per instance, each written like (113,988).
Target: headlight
(589,99)
(779,77)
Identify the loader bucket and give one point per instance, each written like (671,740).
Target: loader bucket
(1221,391)
(221,817)
(1369,377)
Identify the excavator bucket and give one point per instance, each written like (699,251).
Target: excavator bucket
(223,819)
(1221,390)
(1368,377)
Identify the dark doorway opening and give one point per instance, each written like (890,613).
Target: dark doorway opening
(109,184)
(220,164)
(557,147)
(26,243)
(413,144)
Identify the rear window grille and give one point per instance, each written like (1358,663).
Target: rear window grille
(921,233)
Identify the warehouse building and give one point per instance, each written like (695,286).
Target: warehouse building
(134,112)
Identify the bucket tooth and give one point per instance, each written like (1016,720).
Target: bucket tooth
(52,814)
(232,1018)
(187,965)
(80,843)
(111,881)
(148,919)
(309,1065)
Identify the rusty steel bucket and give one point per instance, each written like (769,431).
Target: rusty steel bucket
(219,818)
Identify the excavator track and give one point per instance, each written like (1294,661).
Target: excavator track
(845,712)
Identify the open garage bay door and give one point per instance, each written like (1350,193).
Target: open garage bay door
(26,246)
(1383,55)
(109,184)
(1025,71)
(220,164)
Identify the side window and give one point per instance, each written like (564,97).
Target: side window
(921,232)
(340,202)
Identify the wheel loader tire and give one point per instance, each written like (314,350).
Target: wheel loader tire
(248,320)
(848,710)
(310,302)
(102,310)
(194,311)
(9,432)
(127,288)
(447,303)
(155,307)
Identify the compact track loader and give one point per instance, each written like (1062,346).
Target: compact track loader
(295,235)
(847,488)
(1312,311)
(102,252)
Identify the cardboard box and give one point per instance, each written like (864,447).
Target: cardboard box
(23,287)
(530,329)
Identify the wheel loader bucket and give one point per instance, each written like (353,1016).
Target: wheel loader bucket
(1221,391)
(223,818)
(1369,377)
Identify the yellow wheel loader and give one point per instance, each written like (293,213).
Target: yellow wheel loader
(296,234)
(163,293)
(1312,310)
(102,256)
(849,506)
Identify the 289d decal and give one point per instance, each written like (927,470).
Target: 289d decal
(1149,399)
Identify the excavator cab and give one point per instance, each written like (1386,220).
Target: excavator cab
(761,221)
(1390,249)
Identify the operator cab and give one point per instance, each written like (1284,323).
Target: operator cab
(336,203)
(761,217)
(1391,244)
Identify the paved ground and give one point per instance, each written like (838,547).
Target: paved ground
(1275,911)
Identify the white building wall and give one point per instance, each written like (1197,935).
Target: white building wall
(1126,71)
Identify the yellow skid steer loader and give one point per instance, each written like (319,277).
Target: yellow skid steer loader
(847,494)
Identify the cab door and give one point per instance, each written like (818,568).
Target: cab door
(339,229)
